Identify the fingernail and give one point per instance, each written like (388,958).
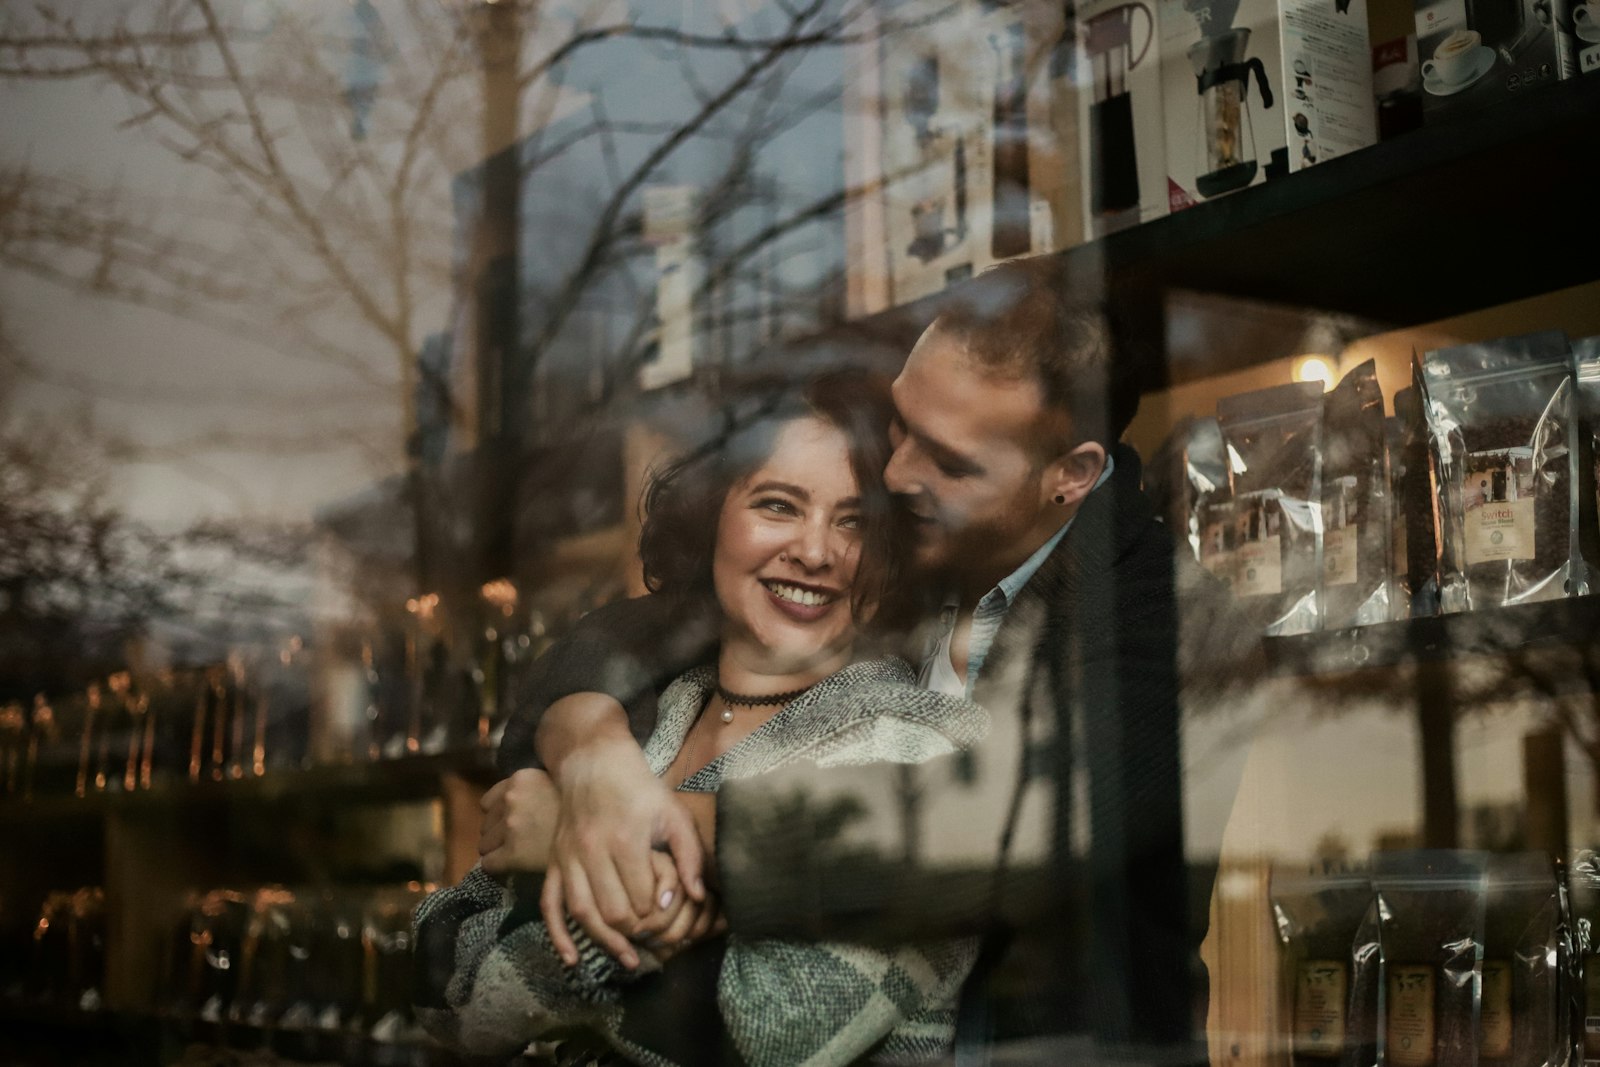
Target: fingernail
(699,887)
(666,899)
(630,961)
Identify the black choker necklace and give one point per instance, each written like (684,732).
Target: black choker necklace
(731,700)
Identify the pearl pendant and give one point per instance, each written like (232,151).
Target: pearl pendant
(727,714)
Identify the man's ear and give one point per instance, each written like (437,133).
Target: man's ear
(1070,477)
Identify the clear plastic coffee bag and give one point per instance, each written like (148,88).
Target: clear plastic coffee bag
(1586,363)
(1355,503)
(1325,943)
(1273,438)
(1502,415)
(1583,894)
(1209,523)
(1522,1018)
(1431,929)
(1414,532)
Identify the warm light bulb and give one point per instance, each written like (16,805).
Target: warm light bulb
(1315,369)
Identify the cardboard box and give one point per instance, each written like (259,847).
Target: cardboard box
(938,181)
(1475,53)
(1258,89)
(977,146)
(1198,35)
(1120,140)
(1037,205)
(1577,37)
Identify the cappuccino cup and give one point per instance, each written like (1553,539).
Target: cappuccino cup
(1452,61)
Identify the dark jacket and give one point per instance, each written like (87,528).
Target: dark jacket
(1060,839)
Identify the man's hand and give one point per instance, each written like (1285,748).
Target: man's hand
(685,923)
(519,823)
(614,815)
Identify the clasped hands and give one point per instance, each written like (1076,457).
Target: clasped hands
(621,854)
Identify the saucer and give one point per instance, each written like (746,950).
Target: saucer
(1589,35)
(1483,58)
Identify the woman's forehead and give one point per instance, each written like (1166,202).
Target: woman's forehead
(809,453)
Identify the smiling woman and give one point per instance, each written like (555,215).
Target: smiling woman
(784,532)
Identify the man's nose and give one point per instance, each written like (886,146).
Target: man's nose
(897,476)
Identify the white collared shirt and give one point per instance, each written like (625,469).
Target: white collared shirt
(938,670)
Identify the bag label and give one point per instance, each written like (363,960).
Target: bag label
(1494,1021)
(1339,556)
(1498,500)
(1409,1041)
(1321,987)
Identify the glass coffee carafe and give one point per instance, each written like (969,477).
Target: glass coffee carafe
(1227,149)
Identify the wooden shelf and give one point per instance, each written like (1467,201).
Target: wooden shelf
(380,781)
(1452,218)
(1550,637)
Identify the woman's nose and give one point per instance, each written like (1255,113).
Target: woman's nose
(813,547)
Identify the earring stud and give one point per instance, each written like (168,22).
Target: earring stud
(1061,498)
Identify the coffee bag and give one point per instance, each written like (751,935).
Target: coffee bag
(1208,523)
(1431,929)
(1501,415)
(1355,503)
(1413,511)
(1583,880)
(1521,1017)
(1274,444)
(1586,362)
(1322,953)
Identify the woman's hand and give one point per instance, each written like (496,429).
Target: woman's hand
(519,824)
(685,923)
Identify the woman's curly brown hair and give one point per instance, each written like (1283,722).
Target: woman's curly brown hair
(683,500)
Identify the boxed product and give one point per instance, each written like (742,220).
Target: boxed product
(1274,446)
(1475,53)
(1326,930)
(938,137)
(1257,89)
(1397,86)
(1356,561)
(1502,417)
(1036,202)
(1120,138)
(1577,37)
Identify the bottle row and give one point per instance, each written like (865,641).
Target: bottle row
(318,974)
(385,697)
(1479,492)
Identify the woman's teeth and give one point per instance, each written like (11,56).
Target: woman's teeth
(796,595)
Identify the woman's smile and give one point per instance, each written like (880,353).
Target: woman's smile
(788,545)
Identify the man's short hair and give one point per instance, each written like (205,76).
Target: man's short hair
(1019,319)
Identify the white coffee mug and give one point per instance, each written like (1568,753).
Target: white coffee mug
(1452,61)
(1586,19)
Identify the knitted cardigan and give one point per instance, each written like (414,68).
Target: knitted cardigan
(491,983)
(1059,838)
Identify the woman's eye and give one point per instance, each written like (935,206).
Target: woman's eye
(851,522)
(776,505)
